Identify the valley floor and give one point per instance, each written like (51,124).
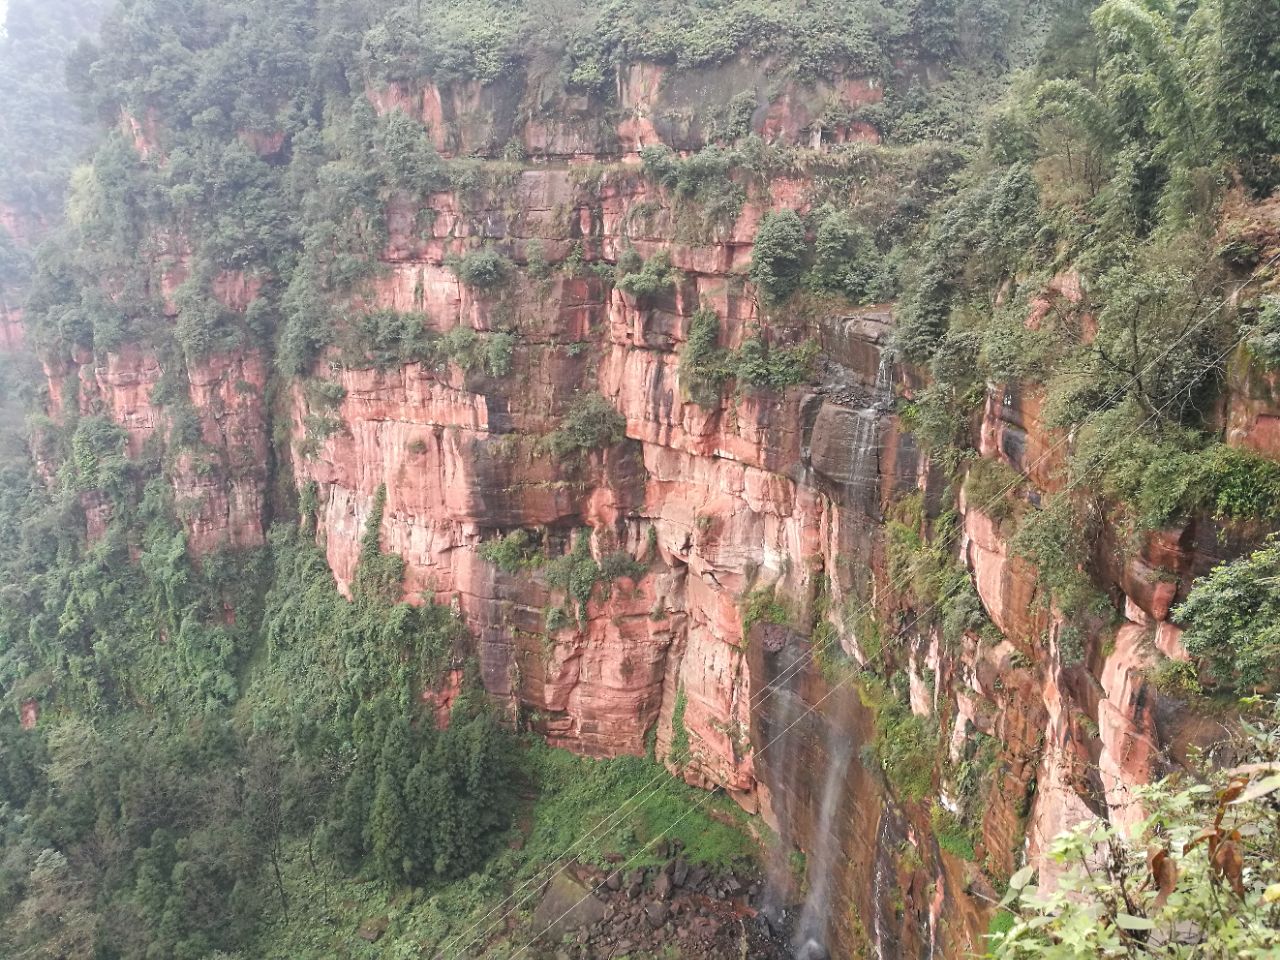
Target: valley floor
(625,816)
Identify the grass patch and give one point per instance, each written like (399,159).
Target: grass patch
(762,606)
(1001,922)
(578,793)
(905,744)
(953,835)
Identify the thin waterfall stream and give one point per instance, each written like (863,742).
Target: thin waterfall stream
(809,942)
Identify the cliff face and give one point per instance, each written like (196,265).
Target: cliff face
(788,491)
(219,469)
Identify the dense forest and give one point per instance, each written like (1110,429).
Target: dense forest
(227,753)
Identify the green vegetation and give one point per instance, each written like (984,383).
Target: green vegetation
(602,808)
(763,606)
(992,486)
(1168,474)
(41,131)
(905,744)
(234,760)
(758,364)
(705,367)
(777,258)
(1080,173)
(576,573)
(1001,923)
(578,793)
(842,258)
(514,552)
(483,40)
(482,269)
(1197,877)
(491,352)
(1054,540)
(1232,621)
(953,835)
(703,184)
(679,754)
(645,278)
(591,422)
(1265,340)
(845,259)
(388,338)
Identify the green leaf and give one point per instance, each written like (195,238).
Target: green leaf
(1022,877)
(1126,921)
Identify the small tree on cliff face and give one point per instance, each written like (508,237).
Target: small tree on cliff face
(591,422)
(1232,620)
(777,261)
(1198,878)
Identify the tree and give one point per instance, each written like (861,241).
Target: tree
(1199,877)
(388,831)
(1245,89)
(777,260)
(1232,621)
(55,920)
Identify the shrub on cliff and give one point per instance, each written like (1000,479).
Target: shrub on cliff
(590,423)
(704,364)
(1055,540)
(1197,877)
(98,458)
(705,367)
(1164,473)
(1264,342)
(758,364)
(481,269)
(994,487)
(905,744)
(1231,620)
(778,257)
(707,179)
(410,157)
(645,278)
(845,260)
(386,338)
(491,352)
(514,552)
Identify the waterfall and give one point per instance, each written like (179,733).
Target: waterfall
(881,890)
(884,383)
(864,451)
(811,931)
(784,768)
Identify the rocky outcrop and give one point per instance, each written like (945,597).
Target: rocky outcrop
(604,913)
(208,421)
(650,105)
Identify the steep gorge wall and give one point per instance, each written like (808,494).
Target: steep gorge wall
(788,489)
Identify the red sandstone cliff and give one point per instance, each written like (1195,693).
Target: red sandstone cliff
(768,489)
